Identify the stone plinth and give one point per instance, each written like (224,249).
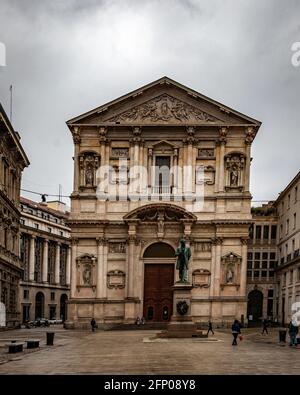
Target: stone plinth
(181,325)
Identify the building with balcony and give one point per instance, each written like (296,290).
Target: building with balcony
(45,257)
(288,241)
(156,165)
(13,160)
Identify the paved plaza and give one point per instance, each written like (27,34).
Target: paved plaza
(136,352)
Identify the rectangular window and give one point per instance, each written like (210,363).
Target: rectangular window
(281,231)
(256,264)
(250,255)
(264,264)
(258,232)
(271,273)
(273,232)
(266,232)
(296,194)
(291,276)
(272,255)
(257,255)
(264,255)
(272,265)
(289,201)
(49,230)
(61,233)
(26,294)
(249,273)
(270,293)
(36,226)
(287,226)
(249,264)
(52,295)
(294,221)
(264,273)
(256,273)
(298,273)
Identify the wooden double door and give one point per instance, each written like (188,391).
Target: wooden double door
(158,293)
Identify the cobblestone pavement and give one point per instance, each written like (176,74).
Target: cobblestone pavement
(135,352)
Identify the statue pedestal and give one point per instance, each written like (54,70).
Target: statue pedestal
(181,324)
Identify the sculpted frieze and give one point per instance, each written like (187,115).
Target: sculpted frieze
(165,108)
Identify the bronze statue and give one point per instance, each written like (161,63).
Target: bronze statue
(183,253)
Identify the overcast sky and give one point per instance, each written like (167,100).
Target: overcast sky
(67,57)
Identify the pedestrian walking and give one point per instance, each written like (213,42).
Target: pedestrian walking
(210,328)
(93,324)
(236,330)
(265,327)
(293,331)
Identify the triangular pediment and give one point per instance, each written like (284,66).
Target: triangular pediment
(165,109)
(163,102)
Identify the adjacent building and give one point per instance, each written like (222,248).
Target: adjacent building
(288,240)
(261,264)
(45,257)
(12,162)
(124,235)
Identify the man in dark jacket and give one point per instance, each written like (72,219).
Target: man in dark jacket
(265,327)
(93,324)
(236,330)
(293,331)
(210,328)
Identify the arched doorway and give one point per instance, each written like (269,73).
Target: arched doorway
(63,307)
(158,281)
(39,305)
(255,306)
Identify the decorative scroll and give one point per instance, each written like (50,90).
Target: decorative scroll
(117,247)
(206,153)
(115,279)
(203,246)
(201,278)
(120,152)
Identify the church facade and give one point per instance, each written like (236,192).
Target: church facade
(157,165)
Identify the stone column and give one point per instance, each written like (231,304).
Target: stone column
(175,172)
(217,283)
(137,269)
(222,140)
(99,293)
(45,261)
(76,140)
(250,134)
(243,279)
(212,268)
(32,258)
(150,164)
(68,268)
(73,267)
(57,264)
(104,272)
(130,273)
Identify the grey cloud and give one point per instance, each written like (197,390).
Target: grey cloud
(66,57)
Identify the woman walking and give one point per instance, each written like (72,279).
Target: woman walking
(236,330)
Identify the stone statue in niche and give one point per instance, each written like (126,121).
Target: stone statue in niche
(234,176)
(229,275)
(87,275)
(89,176)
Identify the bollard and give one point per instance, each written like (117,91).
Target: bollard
(50,338)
